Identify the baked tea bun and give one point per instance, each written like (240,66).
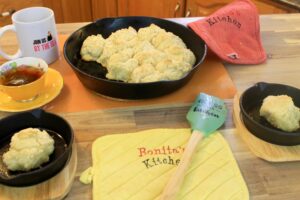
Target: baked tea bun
(281,112)
(147,55)
(29,149)
(92,48)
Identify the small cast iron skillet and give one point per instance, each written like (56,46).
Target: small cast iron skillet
(92,74)
(56,126)
(250,103)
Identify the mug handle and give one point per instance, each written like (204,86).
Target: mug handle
(2,53)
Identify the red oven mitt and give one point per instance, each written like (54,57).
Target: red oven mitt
(232,32)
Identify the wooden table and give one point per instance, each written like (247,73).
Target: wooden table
(281,39)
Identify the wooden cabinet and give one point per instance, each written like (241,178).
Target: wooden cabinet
(204,7)
(90,10)
(70,10)
(272,7)
(155,8)
(65,10)
(175,8)
(104,8)
(7,7)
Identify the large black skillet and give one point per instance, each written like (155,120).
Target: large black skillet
(92,74)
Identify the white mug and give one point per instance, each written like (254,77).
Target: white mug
(36,34)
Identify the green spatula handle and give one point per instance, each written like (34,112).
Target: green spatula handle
(177,178)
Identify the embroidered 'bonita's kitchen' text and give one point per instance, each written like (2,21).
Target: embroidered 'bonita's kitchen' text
(160,155)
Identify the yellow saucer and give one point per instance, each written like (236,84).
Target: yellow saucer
(54,84)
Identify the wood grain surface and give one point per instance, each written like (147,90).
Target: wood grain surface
(15,5)
(265,180)
(280,38)
(55,188)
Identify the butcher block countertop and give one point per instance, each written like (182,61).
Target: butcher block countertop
(265,180)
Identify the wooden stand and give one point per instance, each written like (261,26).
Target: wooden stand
(53,189)
(262,149)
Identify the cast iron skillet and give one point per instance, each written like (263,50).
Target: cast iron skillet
(56,126)
(250,103)
(92,74)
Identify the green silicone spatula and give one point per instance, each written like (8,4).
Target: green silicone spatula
(205,116)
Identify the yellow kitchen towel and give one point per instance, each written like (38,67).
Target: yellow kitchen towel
(137,166)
